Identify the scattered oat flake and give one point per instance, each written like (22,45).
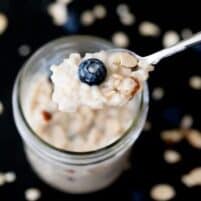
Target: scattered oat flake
(66,2)
(122,8)
(24,50)
(186,122)
(162,192)
(194,138)
(120,39)
(170,38)
(172,136)
(147,28)
(158,93)
(147,126)
(58,12)
(99,11)
(127,19)
(193,178)
(32,194)
(3,23)
(1,108)
(87,18)
(10,177)
(186,33)
(195,82)
(171,156)
(2,179)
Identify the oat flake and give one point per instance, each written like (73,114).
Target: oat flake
(24,50)
(87,18)
(10,177)
(127,19)
(120,39)
(158,93)
(194,138)
(195,82)
(58,13)
(2,179)
(172,136)
(170,38)
(171,156)
(66,2)
(186,122)
(147,28)
(32,194)
(193,178)
(162,192)
(121,9)
(99,11)
(1,108)
(3,23)
(186,33)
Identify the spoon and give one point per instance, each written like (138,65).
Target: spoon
(158,56)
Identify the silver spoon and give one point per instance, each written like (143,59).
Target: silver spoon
(158,56)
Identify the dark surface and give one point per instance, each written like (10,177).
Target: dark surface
(30,24)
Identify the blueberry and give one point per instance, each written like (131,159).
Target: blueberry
(92,71)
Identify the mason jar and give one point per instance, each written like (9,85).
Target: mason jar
(72,172)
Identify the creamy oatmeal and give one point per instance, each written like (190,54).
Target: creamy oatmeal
(85,130)
(122,77)
(80,113)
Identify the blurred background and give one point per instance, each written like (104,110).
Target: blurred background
(168,151)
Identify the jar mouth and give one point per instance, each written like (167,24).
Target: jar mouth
(59,154)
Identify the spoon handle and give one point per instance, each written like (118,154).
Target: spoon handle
(156,57)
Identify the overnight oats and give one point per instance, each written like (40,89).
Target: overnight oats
(79,109)
(97,80)
(85,130)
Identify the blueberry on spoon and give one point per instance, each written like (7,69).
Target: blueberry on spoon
(92,71)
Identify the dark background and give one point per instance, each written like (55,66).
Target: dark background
(30,24)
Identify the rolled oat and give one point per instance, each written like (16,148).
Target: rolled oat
(32,194)
(10,177)
(170,38)
(3,23)
(194,138)
(172,156)
(158,93)
(120,39)
(24,50)
(87,18)
(99,11)
(193,178)
(162,192)
(58,12)
(186,122)
(195,82)
(172,136)
(147,28)
(1,108)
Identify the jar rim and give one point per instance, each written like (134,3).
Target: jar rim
(60,154)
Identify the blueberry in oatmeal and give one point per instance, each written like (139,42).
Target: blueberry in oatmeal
(92,71)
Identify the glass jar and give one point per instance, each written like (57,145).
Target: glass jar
(71,171)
